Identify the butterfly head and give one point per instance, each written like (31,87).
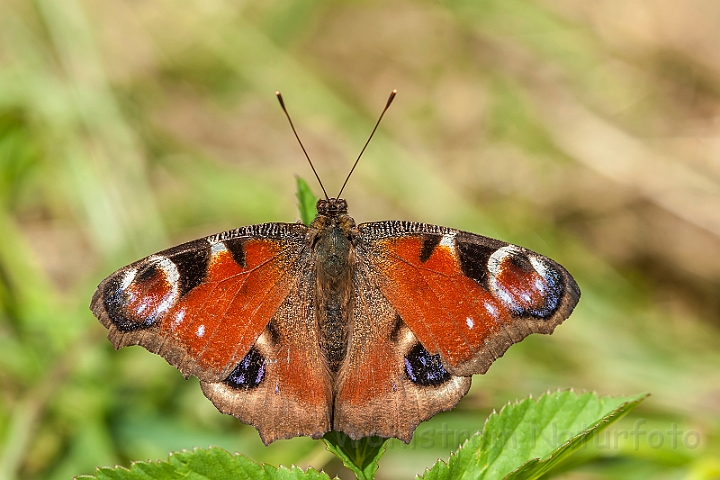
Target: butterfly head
(332,207)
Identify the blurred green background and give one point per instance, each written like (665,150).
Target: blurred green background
(587,131)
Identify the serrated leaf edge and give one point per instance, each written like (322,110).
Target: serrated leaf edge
(592,429)
(588,430)
(518,401)
(194,450)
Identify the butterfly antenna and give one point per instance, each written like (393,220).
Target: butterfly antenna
(387,105)
(282,104)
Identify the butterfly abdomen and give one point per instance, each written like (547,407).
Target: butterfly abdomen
(334,269)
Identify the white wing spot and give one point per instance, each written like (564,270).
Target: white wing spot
(539,265)
(470,323)
(128,278)
(505,296)
(491,309)
(200,331)
(172,276)
(171,272)
(495,263)
(448,240)
(179,317)
(262,341)
(167,302)
(218,247)
(496,259)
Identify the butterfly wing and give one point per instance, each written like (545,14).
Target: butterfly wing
(375,395)
(449,303)
(465,296)
(235,310)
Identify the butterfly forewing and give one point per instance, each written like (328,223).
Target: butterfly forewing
(203,304)
(464,296)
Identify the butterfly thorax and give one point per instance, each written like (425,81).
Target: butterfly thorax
(332,231)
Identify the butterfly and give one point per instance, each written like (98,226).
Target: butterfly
(366,329)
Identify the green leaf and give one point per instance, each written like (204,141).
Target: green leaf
(360,456)
(528,438)
(306,202)
(201,464)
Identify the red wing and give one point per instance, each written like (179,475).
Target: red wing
(388,383)
(235,310)
(282,387)
(203,304)
(465,296)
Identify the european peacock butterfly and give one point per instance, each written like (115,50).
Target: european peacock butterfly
(366,329)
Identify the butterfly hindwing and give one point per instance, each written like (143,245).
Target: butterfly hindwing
(389,383)
(290,393)
(465,297)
